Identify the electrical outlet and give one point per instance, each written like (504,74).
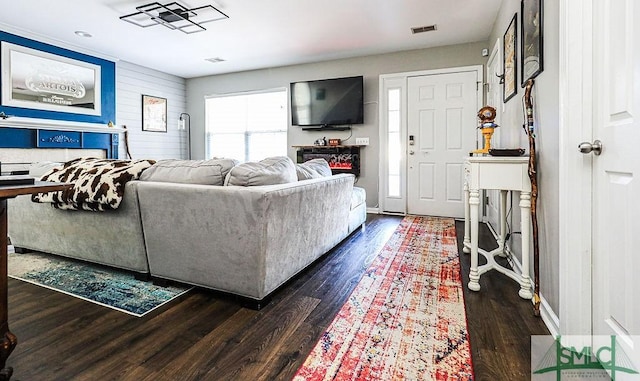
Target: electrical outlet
(362,141)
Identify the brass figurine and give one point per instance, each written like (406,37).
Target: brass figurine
(487,116)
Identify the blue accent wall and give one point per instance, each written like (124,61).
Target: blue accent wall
(108,73)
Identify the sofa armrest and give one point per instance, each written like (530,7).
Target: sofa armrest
(112,237)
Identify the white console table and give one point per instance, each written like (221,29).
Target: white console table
(504,174)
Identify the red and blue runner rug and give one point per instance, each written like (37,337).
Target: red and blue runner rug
(405,320)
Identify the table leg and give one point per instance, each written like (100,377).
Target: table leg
(467,240)
(525,227)
(8,340)
(503,221)
(474,277)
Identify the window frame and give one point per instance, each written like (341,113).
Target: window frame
(246,133)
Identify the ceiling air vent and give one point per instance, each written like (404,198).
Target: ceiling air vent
(422,29)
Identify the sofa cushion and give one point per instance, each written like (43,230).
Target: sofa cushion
(313,169)
(205,172)
(270,171)
(358,197)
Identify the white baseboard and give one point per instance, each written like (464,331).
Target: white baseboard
(547,314)
(373,210)
(549,317)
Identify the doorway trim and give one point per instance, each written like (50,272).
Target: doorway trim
(400,80)
(491,209)
(575,199)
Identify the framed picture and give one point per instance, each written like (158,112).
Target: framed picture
(531,49)
(38,80)
(154,113)
(509,43)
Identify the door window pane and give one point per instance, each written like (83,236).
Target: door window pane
(394,143)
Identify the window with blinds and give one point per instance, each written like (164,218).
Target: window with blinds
(247,126)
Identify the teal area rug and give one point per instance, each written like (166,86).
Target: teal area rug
(102,285)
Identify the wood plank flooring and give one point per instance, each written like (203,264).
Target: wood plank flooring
(500,322)
(207,336)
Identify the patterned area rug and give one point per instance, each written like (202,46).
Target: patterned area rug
(405,320)
(98,284)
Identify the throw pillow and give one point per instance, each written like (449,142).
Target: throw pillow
(205,172)
(272,170)
(313,169)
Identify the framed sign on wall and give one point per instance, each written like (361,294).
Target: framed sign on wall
(532,48)
(44,81)
(154,113)
(39,80)
(509,43)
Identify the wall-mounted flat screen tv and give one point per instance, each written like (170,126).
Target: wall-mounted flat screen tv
(327,103)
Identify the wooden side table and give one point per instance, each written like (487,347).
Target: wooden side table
(8,340)
(504,174)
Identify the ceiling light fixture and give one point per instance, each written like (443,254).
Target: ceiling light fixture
(82,33)
(422,29)
(174,16)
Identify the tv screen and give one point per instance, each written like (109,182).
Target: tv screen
(327,102)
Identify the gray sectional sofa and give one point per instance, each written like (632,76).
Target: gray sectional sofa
(242,240)
(113,238)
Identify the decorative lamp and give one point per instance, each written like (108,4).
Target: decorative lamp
(487,116)
(184,124)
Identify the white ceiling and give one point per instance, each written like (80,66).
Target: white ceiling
(258,33)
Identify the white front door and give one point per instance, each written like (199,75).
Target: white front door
(616,175)
(441,132)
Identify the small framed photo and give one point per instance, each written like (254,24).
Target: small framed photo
(509,48)
(154,113)
(531,49)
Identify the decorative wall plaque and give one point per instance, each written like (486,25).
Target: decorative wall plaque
(44,81)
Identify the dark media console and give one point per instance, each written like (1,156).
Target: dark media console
(341,159)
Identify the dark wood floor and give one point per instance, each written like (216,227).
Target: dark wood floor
(208,337)
(500,322)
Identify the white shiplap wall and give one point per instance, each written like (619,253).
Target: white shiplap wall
(131,82)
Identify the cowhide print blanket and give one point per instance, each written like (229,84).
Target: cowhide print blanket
(98,184)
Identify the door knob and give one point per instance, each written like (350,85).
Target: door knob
(586,147)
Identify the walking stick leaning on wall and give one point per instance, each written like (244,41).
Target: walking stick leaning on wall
(533,177)
(126,141)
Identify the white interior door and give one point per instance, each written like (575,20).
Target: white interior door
(441,124)
(616,175)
